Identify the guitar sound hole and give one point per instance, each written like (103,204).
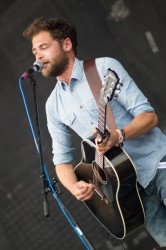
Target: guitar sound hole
(99,173)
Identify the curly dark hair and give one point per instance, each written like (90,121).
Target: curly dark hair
(58,28)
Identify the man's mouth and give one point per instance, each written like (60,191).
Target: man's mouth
(45,64)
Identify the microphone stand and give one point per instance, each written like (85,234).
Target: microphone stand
(46,188)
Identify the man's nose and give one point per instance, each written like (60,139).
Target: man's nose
(39,56)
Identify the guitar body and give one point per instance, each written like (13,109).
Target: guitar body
(116,202)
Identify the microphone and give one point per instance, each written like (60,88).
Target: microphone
(37,67)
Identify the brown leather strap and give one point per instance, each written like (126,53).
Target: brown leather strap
(95,84)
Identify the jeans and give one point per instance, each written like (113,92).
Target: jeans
(154,201)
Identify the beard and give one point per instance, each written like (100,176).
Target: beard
(57,65)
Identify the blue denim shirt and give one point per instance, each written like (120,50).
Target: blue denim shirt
(74,107)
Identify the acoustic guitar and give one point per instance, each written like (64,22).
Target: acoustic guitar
(116,202)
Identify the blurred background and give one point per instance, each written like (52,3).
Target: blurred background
(134,32)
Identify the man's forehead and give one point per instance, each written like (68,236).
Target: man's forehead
(42,37)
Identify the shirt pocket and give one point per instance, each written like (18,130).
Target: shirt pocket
(69,119)
(91,105)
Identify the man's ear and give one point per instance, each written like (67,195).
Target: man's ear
(67,45)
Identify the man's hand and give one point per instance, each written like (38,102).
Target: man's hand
(102,146)
(82,191)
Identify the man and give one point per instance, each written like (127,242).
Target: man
(72,105)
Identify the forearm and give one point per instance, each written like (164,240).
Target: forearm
(80,189)
(141,124)
(66,175)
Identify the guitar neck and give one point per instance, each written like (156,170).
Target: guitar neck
(99,159)
(106,94)
(102,117)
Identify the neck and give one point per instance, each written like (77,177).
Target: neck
(66,75)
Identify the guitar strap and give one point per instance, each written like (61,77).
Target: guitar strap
(95,84)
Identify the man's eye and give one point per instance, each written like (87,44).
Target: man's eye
(44,47)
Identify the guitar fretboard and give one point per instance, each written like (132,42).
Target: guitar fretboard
(107,92)
(101,126)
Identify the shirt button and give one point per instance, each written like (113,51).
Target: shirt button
(91,123)
(81,107)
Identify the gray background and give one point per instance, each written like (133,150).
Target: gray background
(105,28)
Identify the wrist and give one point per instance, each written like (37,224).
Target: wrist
(121,134)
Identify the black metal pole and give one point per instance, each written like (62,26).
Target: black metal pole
(45,186)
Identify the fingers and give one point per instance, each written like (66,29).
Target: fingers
(84,191)
(103,145)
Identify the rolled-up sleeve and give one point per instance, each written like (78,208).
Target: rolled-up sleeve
(130,96)
(62,147)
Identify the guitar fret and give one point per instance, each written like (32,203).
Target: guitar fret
(101,124)
(99,160)
(102,109)
(101,121)
(102,117)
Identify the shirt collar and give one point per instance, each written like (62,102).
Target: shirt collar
(76,72)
